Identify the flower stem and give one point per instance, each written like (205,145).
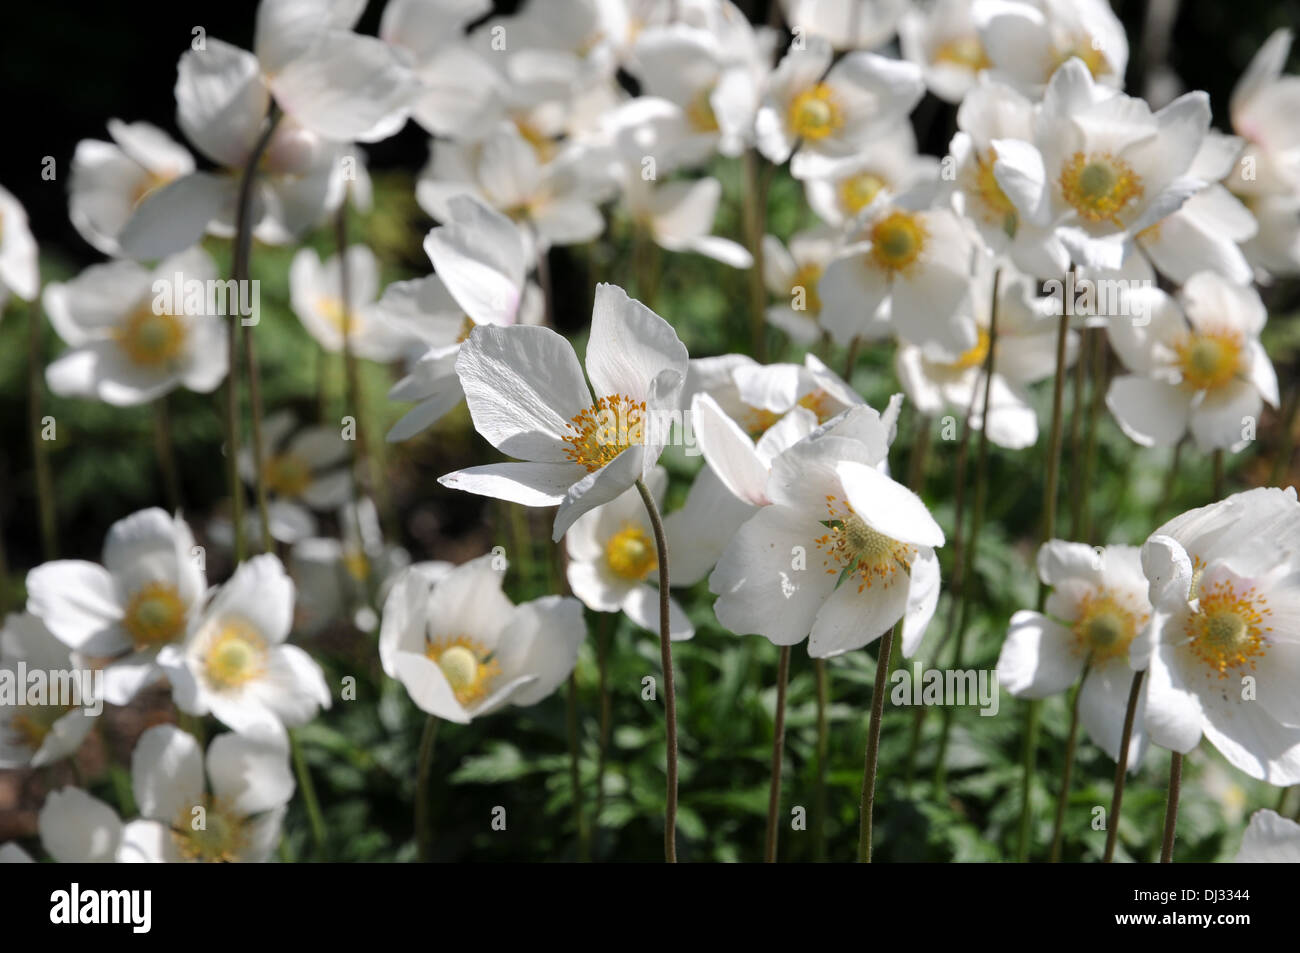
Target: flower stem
(851,359)
(666,658)
(1171,806)
(1098,399)
(1121,766)
(308,796)
(920,455)
(602,665)
(873,742)
(575,769)
(778,753)
(1219,487)
(754,215)
(166,450)
(240,274)
(1076,442)
(423,833)
(1030,748)
(823,750)
(40,455)
(1063,796)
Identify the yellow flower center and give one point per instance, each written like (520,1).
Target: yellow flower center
(209,832)
(237,654)
(1227,630)
(151,182)
(155,615)
(965,51)
(998,209)
(815,114)
(976,356)
(1106,626)
(1085,49)
(856,551)
(150,339)
(807,277)
(543,145)
(32,723)
(1100,187)
(604,430)
(631,553)
(699,112)
(1210,360)
(858,191)
(469,668)
(286,474)
(897,240)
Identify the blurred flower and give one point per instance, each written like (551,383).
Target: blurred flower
(315,291)
(234,663)
(1026,40)
(1097,610)
(462,650)
(793,275)
(126,611)
(40,734)
(943,41)
(887,165)
(1270,839)
(19,268)
(845,24)
(302,468)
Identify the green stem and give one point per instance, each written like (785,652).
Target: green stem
(166,450)
(851,359)
(666,658)
(1076,442)
(40,454)
(240,274)
(920,455)
(778,753)
(1121,766)
(1099,376)
(575,769)
(1063,796)
(823,750)
(1219,483)
(423,831)
(1171,806)
(308,795)
(602,664)
(873,743)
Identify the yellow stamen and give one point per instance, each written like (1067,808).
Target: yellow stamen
(858,191)
(897,240)
(1106,626)
(815,113)
(287,474)
(604,430)
(237,654)
(150,339)
(1100,187)
(631,554)
(862,553)
(469,668)
(155,615)
(213,835)
(965,51)
(1210,360)
(807,277)
(1227,630)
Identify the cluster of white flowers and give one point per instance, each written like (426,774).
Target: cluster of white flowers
(544,121)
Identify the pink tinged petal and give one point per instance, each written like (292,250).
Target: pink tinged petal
(347,87)
(251,775)
(1039,657)
(642,607)
(523,386)
(1151,413)
(887,506)
(176,216)
(769,579)
(221,101)
(166,773)
(79,829)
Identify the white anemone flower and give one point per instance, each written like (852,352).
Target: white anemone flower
(678,216)
(792,275)
(19,267)
(127,610)
(528,397)
(303,470)
(990,112)
(613,558)
(845,24)
(702,527)
(1097,610)
(234,663)
(40,733)
(1225,585)
(822,113)
(887,165)
(78,828)
(1025,354)
(918,259)
(481,261)
(1200,367)
(110,179)
(316,294)
(463,650)
(1026,40)
(1102,166)
(1270,838)
(226,808)
(135,334)
(840,555)
(945,43)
